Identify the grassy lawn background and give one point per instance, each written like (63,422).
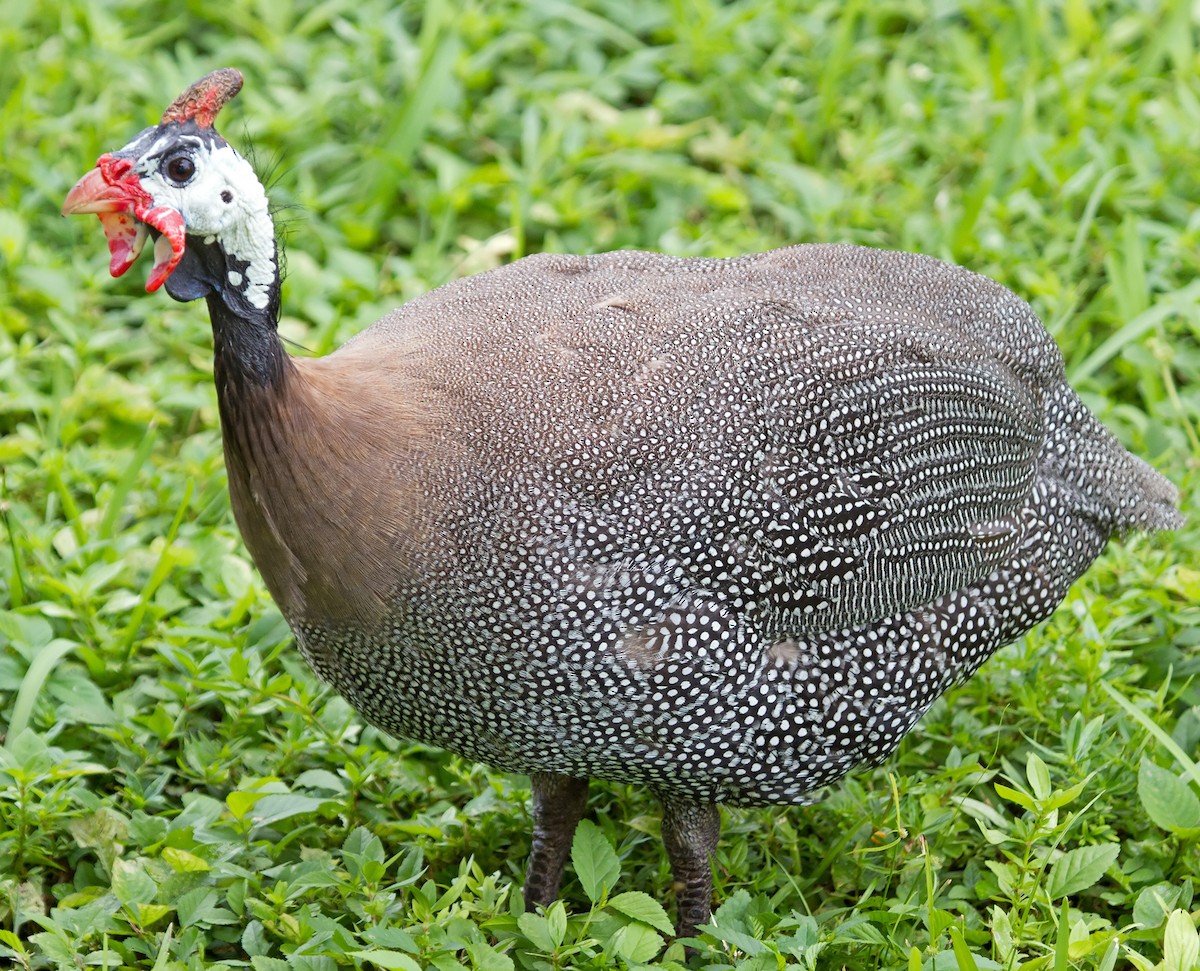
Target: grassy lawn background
(176,790)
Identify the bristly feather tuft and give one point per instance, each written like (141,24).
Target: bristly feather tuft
(271,175)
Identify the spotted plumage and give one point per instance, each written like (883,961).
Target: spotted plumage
(722,528)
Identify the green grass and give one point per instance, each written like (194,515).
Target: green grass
(177,791)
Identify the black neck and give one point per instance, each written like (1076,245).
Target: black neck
(248,354)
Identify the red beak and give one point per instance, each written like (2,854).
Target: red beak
(112,191)
(93,193)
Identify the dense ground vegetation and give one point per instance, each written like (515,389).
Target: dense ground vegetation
(177,791)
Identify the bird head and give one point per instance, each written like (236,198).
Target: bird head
(183,184)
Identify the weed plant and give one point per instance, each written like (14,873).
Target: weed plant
(178,792)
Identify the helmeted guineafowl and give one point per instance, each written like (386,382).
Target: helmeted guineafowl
(721,528)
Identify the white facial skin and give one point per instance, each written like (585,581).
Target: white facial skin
(219,197)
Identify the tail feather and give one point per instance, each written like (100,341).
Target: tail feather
(1157,505)
(1100,480)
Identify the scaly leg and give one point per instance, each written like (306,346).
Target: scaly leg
(559,802)
(690,831)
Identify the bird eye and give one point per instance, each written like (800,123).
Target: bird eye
(179,169)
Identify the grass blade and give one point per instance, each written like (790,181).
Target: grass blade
(1159,735)
(1133,331)
(33,682)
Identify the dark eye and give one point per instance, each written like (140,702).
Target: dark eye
(179,169)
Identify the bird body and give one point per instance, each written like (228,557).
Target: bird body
(722,528)
(704,525)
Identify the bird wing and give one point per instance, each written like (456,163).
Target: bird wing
(884,476)
(816,437)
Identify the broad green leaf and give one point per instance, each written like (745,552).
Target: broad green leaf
(1006,876)
(193,904)
(322,779)
(595,861)
(1063,797)
(102,828)
(9,939)
(732,913)
(150,914)
(1002,933)
(537,929)
(1168,800)
(1139,961)
(363,843)
(738,938)
(27,634)
(184,862)
(274,807)
(147,830)
(392,938)
(200,906)
(131,884)
(641,906)
(55,947)
(1154,903)
(984,813)
(1186,733)
(1038,776)
(637,943)
(556,923)
(1181,944)
(262,963)
(362,852)
(254,939)
(1183,580)
(323,962)
(485,958)
(235,897)
(1022,799)
(1082,942)
(237,576)
(1079,869)
(391,960)
(939,920)
(410,867)
(241,802)
(105,957)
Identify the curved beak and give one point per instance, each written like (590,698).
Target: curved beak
(127,214)
(94,193)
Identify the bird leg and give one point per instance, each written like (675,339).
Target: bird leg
(690,831)
(559,802)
